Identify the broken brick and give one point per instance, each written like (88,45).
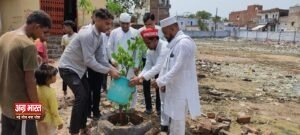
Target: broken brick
(243,119)
(204,128)
(224,132)
(153,131)
(211,115)
(222,118)
(249,129)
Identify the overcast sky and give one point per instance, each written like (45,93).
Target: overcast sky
(181,7)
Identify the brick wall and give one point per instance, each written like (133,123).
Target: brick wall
(245,16)
(159,10)
(54,47)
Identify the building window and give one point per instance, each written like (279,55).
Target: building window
(273,16)
(266,17)
(293,23)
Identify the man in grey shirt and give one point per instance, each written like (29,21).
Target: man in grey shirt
(80,54)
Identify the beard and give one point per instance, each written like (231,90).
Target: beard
(170,38)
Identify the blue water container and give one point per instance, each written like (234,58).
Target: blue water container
(119,91)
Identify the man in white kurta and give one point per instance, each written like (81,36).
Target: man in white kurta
(156,56)
(119,37)
(178,75)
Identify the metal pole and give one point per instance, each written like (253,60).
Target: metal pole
(295,36)
(256,36)
(215,34)
(267,34)
(279,37)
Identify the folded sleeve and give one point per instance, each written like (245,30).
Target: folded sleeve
(88,52)
(154,70)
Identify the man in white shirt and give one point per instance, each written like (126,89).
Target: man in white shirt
(119,37)
(179,76)
(156,55)
(149,22)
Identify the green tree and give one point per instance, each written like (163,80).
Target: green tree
(202,25)
(87,7)
(203,15)
(114,7)
(216,19)
(225,20)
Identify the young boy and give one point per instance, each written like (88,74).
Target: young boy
(69,29)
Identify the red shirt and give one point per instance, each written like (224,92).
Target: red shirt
(42,50)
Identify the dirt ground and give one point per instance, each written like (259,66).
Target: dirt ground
(261,80)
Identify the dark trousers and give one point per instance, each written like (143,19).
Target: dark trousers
(147,94)
(104,82)
(64,87)
(16,127)
(80,89)
(95,80)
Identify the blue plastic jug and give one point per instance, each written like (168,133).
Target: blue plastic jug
(119,91)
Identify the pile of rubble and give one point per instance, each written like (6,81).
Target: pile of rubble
(212,124)
(210,68)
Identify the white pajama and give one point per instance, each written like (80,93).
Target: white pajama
(164,119)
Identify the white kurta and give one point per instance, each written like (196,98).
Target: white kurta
(180,78)
(155,60)
(119,37)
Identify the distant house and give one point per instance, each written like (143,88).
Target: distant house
(245,18)
(220,26)
(292,21)
(269,19)
(14,12)
(186,23)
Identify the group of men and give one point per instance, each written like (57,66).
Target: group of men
(170,59)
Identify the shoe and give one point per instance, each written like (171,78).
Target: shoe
(65,93)
(97,117)
(164,128)
(148,112)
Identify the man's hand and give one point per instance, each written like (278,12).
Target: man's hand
(136,71)
(134,81)
(114,64)
(163,89)
(154,84)
(114,73)
(51,61)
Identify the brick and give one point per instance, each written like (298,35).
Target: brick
(153,131)
(211,115)
(243,119)
(221,126)
(204,128)
(224,132)
(249,129)
(222,118)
